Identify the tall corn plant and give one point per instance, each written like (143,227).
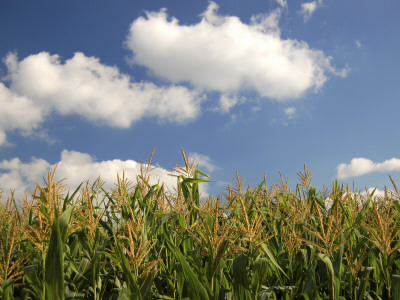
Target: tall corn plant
(47,219)
(12,260)
(142,241)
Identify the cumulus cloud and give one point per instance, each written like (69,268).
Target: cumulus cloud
(203,162)
(361,166)
(21,177)
(362,197)
(77,167)
(17,113)
(41,84)
(308,9)
(223,54)
(73,163)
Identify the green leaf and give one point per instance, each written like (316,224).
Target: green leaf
(71,295)
(145,287)
(337,266)
(8,289)
(68,199)
(364,210)
(54,272)
(194,180)
(195,288)
(364,276)
(272,258)
(35,284)
(259,273)
(330,275)
(395,292)
(64,222)
(132,286)
(241,289)
(266,294)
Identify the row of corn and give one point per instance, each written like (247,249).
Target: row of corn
(142,241)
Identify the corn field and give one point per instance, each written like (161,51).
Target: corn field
(142,241)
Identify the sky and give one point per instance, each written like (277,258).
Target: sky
(256,86)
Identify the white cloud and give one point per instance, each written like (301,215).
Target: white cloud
(377,193)
(223,54)
(362,197)
(203,161)
(73,163)
(290,112)
(77,167)
(308,9)
(226,103)
(41,84)
(358,44)
(361,166)
(17,113)
(21,177)
(282,3)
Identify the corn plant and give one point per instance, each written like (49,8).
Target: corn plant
(143,241)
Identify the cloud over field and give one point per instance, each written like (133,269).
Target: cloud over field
(82,85)
(361,166)
(204,162)
(223,54)
(21,177)
(77,167)
(218,54)
(363,196)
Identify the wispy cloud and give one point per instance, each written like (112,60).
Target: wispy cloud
(226,103)
(223,54)
(361,166)
(41,84)
(308,9)
(290,112)
(282,3)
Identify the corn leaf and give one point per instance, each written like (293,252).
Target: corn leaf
(54,272)
(7,289)
(241,287)
(195,287)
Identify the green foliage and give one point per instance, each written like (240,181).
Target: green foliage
(138,241)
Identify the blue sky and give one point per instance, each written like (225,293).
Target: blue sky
(253,86)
